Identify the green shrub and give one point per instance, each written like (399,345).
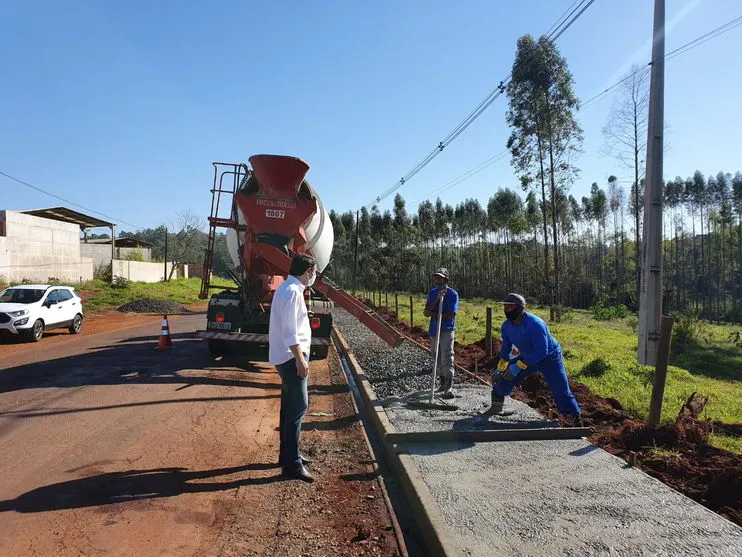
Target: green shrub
(607,313)
(597,367)
(689,329)
(120,282)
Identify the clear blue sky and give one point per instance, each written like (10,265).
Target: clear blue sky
(122,106)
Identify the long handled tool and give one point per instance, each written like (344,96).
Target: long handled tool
(430,403)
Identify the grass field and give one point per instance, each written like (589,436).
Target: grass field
(602,355)
(105,297)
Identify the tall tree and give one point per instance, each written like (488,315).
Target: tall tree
(625,139)
(545,138)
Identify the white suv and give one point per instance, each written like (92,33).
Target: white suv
(31,309)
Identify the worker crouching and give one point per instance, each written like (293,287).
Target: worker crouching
(538,351)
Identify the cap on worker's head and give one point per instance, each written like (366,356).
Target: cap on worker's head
(441,272)
(516,299)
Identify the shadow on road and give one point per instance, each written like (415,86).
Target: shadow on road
(130,485)
(188,363)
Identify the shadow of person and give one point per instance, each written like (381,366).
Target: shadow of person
(129,485)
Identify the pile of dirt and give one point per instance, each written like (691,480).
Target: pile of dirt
(678,454)
(153,305)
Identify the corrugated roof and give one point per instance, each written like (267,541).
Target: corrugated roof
(68,215)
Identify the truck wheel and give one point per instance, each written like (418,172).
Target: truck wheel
(215,347)
(320,353)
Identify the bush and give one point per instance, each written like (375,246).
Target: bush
(120,282)
(608,313)
(103,272)
(53,280)
(689,329)
(134,255)
(558,313)
(633,323)
(596,367)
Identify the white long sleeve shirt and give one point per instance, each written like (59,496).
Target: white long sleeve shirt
(289,322)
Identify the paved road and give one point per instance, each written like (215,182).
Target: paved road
(110,447)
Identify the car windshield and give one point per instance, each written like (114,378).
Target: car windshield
(21,295)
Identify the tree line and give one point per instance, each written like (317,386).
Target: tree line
(549,245)
(500,248)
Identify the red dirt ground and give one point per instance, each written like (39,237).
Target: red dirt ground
(687,463)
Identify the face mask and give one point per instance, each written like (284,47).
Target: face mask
(513,315)
(310,280)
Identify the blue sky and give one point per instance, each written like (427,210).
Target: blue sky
(122,106)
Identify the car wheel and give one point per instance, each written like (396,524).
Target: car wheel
(76,326)
(37,331)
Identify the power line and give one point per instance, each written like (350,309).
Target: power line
(68,201)
(677,52)
(465,176)
(728,26)
(555,31)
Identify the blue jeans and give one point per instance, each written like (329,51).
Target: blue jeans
(294,404)
(552,369)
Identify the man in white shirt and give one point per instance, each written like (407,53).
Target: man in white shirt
(289,340)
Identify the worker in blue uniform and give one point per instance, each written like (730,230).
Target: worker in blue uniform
(538,351)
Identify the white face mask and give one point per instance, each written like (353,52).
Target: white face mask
(310,280)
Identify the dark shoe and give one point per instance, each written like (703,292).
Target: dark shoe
(498,401)
(448,393)
(304,460)
(575,421)
(300,473)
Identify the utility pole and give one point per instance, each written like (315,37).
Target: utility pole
(650,299)
(164,277)
(355,257)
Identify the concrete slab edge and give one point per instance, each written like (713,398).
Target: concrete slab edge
(520,434)
(436,537)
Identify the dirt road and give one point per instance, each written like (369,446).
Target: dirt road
(112,448)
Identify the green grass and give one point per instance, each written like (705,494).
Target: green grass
(104,297)
(714,368)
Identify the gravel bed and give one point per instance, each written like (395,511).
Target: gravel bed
(153,305)
(392,371)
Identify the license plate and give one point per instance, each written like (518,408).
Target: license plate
(275,214)
(220,325)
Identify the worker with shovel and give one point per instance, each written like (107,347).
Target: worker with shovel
(538,350)
(441,307)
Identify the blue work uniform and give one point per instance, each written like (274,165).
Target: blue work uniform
(541,352)
(445,364)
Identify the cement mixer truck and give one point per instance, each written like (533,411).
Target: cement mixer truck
(269,212)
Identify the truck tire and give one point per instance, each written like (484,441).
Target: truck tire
(320,352)
(215,347)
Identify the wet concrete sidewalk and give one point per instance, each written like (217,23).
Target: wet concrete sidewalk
(536,498)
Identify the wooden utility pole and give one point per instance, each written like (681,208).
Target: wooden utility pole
(650,297)
(660,372)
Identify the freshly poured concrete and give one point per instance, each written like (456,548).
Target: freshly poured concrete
(538,498)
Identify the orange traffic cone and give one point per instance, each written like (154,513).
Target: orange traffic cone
(165,341)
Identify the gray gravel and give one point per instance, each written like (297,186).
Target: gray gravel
(153,305)
(531,498)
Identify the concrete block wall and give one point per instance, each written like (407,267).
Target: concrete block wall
(35,248)
(143,271)
(101,253)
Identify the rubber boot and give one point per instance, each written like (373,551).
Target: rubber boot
(575,421)
(448,392)
(498,401)
(442,385)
